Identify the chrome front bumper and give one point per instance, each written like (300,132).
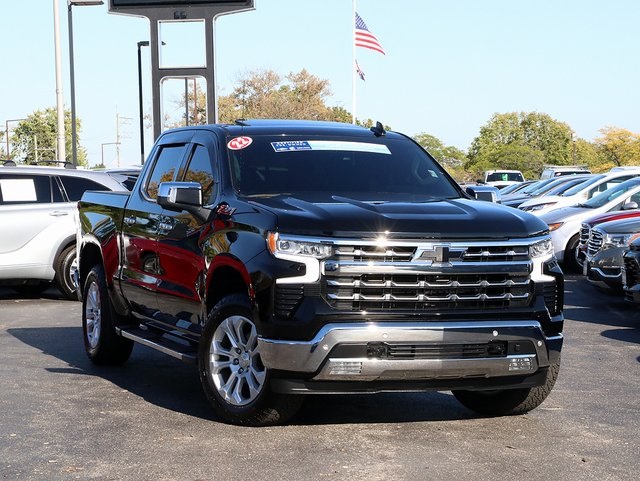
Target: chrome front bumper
(316,357)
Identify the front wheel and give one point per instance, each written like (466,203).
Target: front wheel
(506,402)
(101,343)
(234,380)
(570,261)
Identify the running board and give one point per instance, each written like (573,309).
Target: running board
(174,348)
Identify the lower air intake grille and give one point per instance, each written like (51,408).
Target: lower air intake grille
(287,299)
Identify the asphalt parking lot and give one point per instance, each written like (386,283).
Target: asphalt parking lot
(64,419)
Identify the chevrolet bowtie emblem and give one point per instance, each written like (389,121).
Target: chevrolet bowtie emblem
(438,254)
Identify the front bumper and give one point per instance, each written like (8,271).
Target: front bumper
(604,268)
(406,352)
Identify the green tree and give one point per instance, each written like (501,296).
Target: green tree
(589,154)
(35,138)
(451,158)
(521,140)
(619,146)
(265,94)
(446,155)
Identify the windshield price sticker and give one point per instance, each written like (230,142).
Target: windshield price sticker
(293,145)
(239,143)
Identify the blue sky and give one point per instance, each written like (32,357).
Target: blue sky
(449,64)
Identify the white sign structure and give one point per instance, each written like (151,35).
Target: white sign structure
(158,11)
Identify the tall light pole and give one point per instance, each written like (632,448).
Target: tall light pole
(74,135)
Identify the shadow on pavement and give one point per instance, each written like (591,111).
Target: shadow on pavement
(50,293)
(168,383)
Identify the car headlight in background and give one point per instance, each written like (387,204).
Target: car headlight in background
(541,248)
(620,240)
(555,226)
(281,245)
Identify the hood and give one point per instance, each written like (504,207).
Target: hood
(327,215)
(611,216)
(547,199)
(563,213)
(621,226)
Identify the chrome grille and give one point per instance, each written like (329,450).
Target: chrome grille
(596,239)
(376,253)
(584,233)
(428,276)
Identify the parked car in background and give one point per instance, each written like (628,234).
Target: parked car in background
(130,175)
(513,188)
(585,229)
(502,178)
(38,211)
(564,223)
(551,171)
(587,188)
(630,274)
(544,187)
(607,243)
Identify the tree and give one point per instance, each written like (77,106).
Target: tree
(619,146)
(35,139)
(524,140)
(589,154)
(265,94)
(446,155)
(451,158)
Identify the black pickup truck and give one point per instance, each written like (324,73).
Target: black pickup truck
(287,258)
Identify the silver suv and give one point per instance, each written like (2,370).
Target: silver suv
(38,215)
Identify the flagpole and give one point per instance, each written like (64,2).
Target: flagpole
(353,63)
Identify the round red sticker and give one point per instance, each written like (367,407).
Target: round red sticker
(239,143)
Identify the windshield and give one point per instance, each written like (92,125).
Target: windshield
(578,188)
(370,169)
(612,193)
(505,177)
(562,188)
(549,185)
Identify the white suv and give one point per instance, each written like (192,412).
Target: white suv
(38,215)
(578,193)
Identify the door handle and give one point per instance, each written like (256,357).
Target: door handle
(130,220)
(58,213)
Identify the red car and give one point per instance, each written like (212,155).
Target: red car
(585,231)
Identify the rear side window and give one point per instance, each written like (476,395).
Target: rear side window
(76,186)
(25,189)
(164,168)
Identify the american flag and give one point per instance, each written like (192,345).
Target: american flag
(364,38)
(359,71)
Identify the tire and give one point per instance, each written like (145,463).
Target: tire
(63,278)
(570,262)
(101,343)
(509,402)
(233,378)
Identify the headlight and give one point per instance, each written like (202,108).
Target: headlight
(541,248)
(620,240)
(555,226)
(294,246)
